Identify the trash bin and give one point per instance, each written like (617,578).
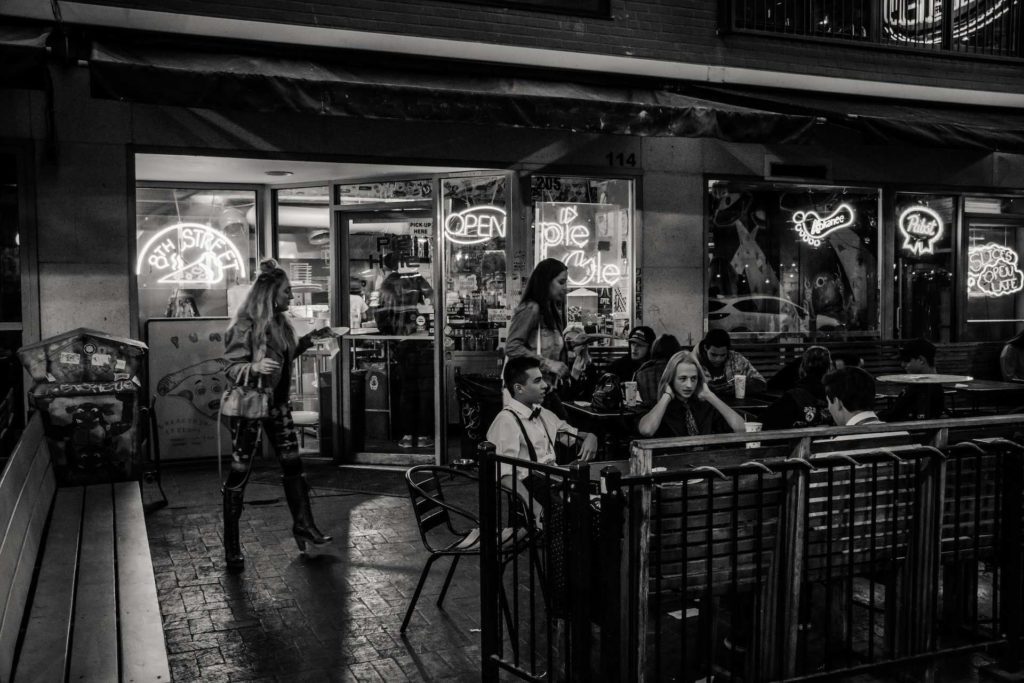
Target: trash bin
(87,391)
(479,403)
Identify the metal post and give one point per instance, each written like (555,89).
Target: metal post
(1010,552)
(490,565)
(610,560)
(578,559)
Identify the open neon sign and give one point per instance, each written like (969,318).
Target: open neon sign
(475,225)
(190,255)
(569,240)
(992,270)
(813,228)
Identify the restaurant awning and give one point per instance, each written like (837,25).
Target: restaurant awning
(892,122)
(23,56)
(169,75)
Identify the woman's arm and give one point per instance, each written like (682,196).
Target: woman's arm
(651,422)
(734,419)
(522,331)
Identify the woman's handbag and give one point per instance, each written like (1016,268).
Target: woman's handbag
(245,400)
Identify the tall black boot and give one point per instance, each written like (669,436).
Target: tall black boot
(296,491)
(232,512)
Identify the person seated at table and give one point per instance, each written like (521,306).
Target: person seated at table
(525,430)
(583,376)
(721,364)
(640,340)
(804,405)
(850,397)
(649,374)
(847,360)
(917,401)
(1011,359)
(686,405)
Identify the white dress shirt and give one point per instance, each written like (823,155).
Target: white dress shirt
(543,429)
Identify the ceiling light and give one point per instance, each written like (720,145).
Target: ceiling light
(279,173)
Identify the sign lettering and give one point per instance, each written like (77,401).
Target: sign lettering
(475,225)
(921,228)
(571,241)
(190,255)
(813,228)
(992,270)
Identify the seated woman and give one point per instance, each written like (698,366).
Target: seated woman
(804,405)
(686,406)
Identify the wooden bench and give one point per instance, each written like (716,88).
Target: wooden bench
(79,599)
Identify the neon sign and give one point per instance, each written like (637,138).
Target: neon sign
(813,229)
(475,225)
(921,228)
(569,240)
(191,255)
(992,270)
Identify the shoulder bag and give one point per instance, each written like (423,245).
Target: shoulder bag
(245,400)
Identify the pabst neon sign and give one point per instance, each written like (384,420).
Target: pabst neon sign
(813,228)
(921,228)
(992,270)
(190,255)
(475,225)
(569,240)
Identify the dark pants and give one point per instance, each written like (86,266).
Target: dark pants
(416,375)
(280,430)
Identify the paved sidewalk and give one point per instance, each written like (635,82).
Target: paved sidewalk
(333,616)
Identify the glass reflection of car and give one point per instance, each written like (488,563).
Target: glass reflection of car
(764,314)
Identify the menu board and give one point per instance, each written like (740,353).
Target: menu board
(186,377)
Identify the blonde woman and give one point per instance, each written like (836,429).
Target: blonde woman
(686,406)
(262,342)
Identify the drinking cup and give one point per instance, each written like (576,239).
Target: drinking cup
(740,386)
(631,393)
(753,427)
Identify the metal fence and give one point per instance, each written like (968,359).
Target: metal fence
(784,569)
(985,27)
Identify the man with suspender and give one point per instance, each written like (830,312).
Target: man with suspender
(525,430)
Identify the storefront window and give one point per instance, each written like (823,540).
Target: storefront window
(792,260)
(10,304)
(587,223)
(995,274)
(196,250)
(924,266)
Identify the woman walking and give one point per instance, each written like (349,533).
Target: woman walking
(262,343)
(536,327)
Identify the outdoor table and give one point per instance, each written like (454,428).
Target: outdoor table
(610,427)
(1004,394)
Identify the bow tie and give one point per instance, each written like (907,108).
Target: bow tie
(535,413)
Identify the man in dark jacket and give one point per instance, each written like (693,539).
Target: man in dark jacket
(640,340)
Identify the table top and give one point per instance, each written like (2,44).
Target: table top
(987,385)
(585,408)
(924,379)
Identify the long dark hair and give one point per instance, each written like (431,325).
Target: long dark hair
(259,308)
(538,289)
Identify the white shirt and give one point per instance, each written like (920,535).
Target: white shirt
(508,440)
(866,417)
(357,309)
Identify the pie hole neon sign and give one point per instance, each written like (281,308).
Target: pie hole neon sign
(569,240)
(190,255)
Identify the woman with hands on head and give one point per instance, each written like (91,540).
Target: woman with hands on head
(686,406)
(535,330)
(260,346)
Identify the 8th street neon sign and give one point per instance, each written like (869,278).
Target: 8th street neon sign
(191,255)
(568,241)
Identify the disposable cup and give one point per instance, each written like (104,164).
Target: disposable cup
(740,385)
(753,427)
(631,393)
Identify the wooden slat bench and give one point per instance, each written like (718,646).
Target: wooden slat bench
(78,599)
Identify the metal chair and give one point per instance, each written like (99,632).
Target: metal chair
(442,536)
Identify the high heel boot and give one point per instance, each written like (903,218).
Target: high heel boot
(296,491)
(232,547)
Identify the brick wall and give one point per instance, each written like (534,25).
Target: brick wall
(674,30)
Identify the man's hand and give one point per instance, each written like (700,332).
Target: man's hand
(589,448)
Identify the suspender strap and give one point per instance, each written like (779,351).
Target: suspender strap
(526,437)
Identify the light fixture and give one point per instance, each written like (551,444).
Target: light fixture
(279,174)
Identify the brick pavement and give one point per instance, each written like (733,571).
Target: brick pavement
(333,616)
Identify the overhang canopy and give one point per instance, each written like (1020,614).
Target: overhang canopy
(259,82)
(23,56)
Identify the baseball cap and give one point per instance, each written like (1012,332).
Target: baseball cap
(641,335)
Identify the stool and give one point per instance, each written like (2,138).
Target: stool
(303,419)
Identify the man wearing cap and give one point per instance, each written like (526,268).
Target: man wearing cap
(721,364)
(640,340)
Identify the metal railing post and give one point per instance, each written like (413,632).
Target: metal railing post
(579,571)
(610,559)
(1010,559)
(490,566)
